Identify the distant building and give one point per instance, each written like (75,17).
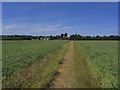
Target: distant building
(41,39)
(65,37)
(46,38)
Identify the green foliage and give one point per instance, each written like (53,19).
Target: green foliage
(20,54)
(102,58)
(79,37)
(59,37)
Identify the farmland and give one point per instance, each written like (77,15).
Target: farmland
(34,64)
(102,58)
(19,55)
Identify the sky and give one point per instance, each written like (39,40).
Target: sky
(54,18)
(60,0)
(0,18)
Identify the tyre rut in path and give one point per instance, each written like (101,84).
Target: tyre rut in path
(66,77)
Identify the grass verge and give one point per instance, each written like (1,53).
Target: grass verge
(83,76)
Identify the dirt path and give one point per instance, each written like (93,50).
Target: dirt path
(66,77)
(74,72)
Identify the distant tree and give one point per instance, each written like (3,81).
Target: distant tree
(62,35)
(58,37)
(66,34)
(51,37)
(75,37)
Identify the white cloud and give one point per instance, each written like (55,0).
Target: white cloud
(37,30)
(46,27)
(9,27)
(55,26)
(52,28)
(77,26)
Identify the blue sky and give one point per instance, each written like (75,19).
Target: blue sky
(50,18)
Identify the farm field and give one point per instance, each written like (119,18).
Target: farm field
(102,59)
(0,64)
(18,55)
(60,63)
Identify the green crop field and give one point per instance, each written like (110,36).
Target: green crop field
(0,64)
(34,63)
(20,54)
(102,58)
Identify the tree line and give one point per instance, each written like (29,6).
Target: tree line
(79,37)
(59,37)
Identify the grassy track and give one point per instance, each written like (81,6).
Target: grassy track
(74,72)
(65,79)
(83,76)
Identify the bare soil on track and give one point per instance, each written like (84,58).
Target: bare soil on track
(74,71)
(66,77)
